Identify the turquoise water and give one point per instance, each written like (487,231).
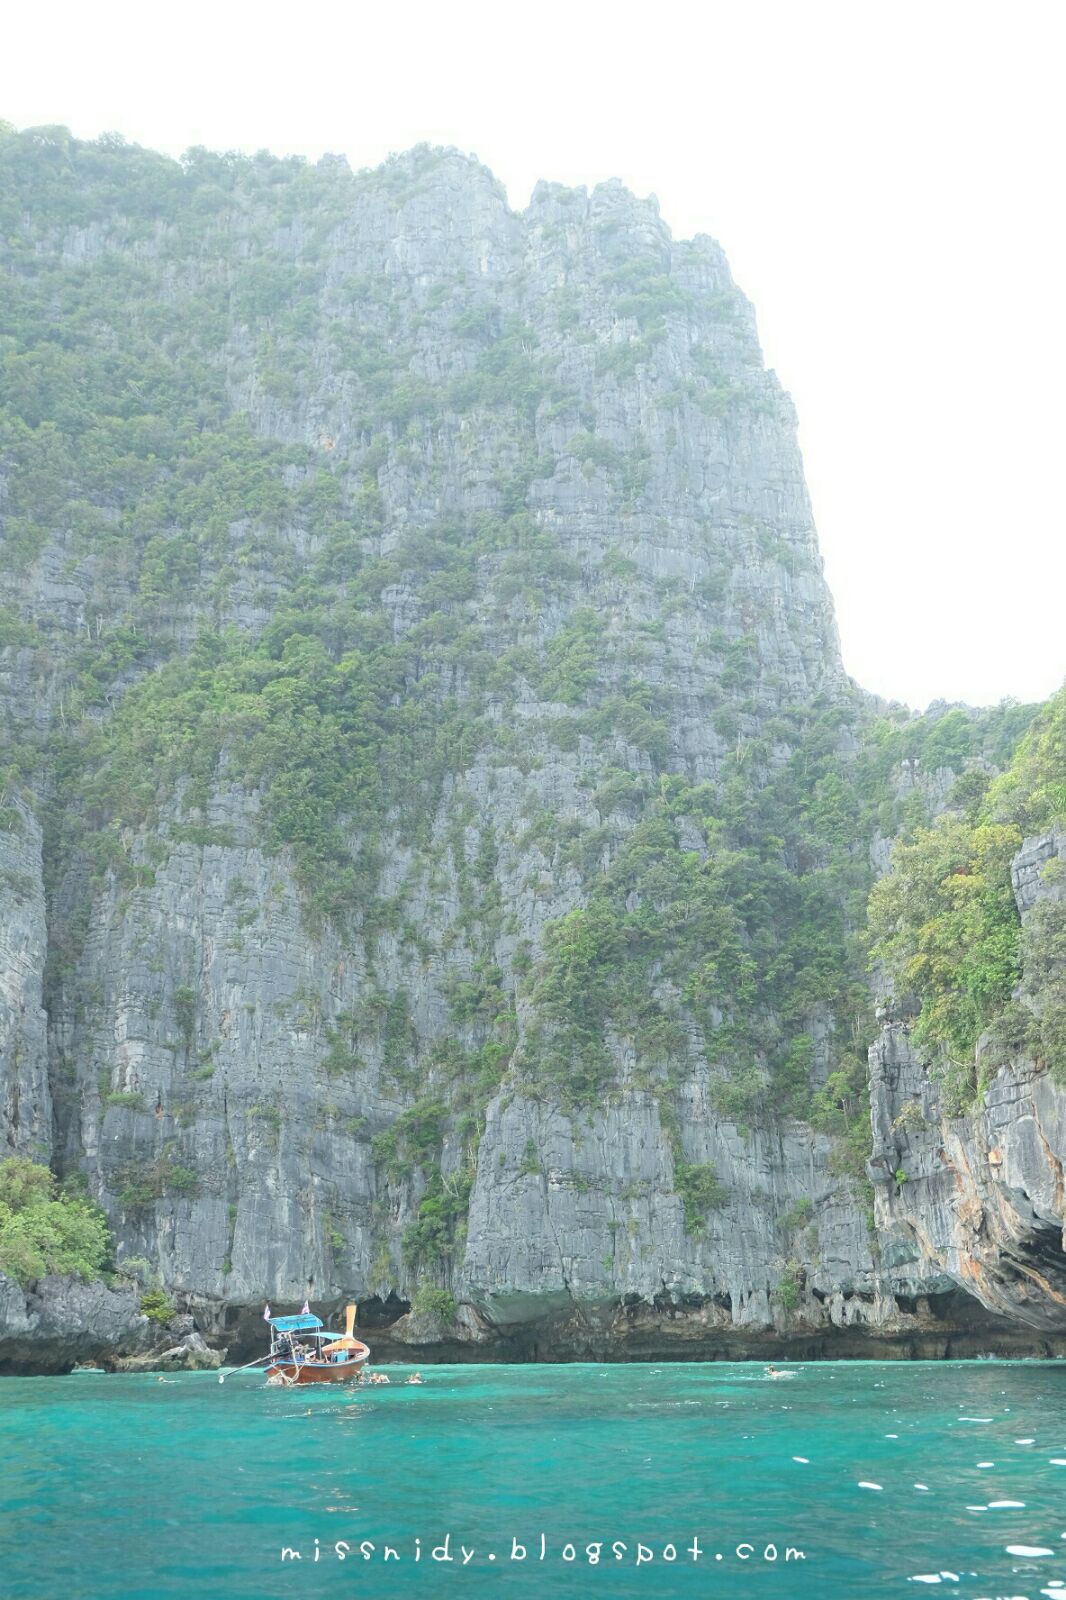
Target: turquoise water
(125,1486)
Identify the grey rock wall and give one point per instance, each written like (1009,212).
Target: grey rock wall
(61,1321)
(25,1094)
(191,1029)
(982,1197)
(189,1069)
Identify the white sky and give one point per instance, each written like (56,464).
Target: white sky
(887,180)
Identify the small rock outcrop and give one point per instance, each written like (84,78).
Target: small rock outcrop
(62,1322)
(191,1353)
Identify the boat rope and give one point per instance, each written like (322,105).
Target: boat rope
(234,1370)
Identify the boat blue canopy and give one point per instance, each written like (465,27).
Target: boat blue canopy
(295,1324)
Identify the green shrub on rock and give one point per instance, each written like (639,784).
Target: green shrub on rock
(155,1304)
(44,1230)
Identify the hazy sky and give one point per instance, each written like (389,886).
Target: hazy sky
(887,180)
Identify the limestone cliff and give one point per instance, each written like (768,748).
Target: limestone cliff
(456,817)
(25,1097)
(982,1196)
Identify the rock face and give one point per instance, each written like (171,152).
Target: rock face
(600,1218)
(61,1322)
(505,509)
(982,1197)
(25,1096)
(190,1353)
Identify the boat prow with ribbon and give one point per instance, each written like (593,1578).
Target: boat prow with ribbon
(303,1351)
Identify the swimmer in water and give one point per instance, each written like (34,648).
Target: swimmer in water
(416,1379)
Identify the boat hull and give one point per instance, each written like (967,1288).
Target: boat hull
(316,1371)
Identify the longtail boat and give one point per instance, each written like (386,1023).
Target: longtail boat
(301,1351)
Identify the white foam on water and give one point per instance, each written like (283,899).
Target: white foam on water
(1025,1441)
(1028,1550)
(1006,1505)
(952,1576)
(977,1508)
(891,1435)
(924,1487)
(804,1460)
(984,1464)
(975,1419)
(926,1577)
(865,1485)
(1057,1461)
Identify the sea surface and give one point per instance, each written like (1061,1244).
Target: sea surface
(890,1478)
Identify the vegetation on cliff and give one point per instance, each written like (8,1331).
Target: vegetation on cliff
(449,586)
(945,920)
(45,1229)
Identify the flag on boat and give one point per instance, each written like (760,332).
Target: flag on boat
(266,1313)
(306,1312)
